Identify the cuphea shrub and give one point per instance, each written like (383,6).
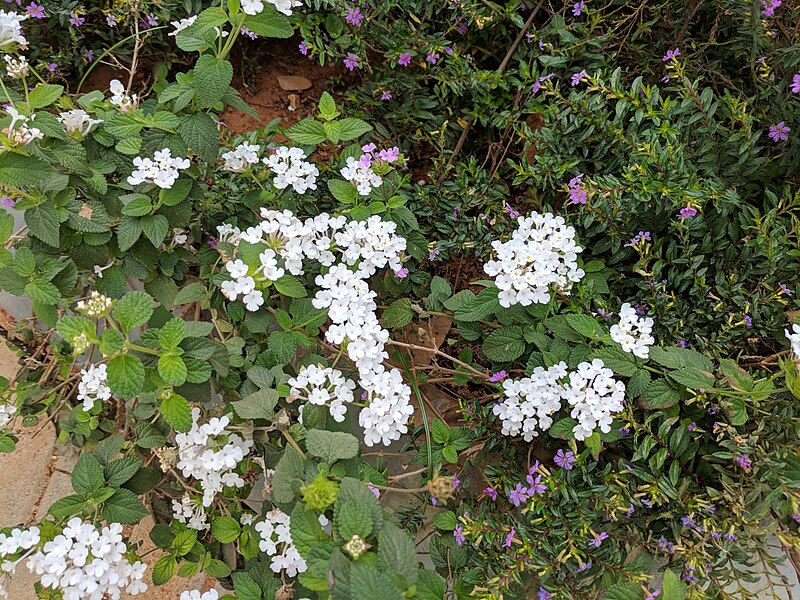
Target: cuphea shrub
(252,342)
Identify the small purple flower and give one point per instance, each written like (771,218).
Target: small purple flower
(630,511)
(544,594)
(691,426)
(458,533)
(624,431)
(730,537)
(578,8)
(577,194)
(351,62)
(462,27)
(512,214)
(401,273)
(251,34)
(682,343)
(743,461)
(687,212)
(642,236)
(111,20)
(35,10)
(518,495)
(796,517)
(785,289)
(688,574)
(76,20)
(536,485)
(491,492)
(586,566)
(354,16)
(456,482)
(666,546)
(499,376)
(303,48)
(432,57)
(779,132)
(565,460)
(212,241)
(577,77)
(6,201)
(387,95)
(88,55)
(598,539)
(748,320)
(688,521)
(795,86)
(509,538)
(651,595)
(769,6)
(433,254)
(404,59)
(376,492)
(52,67)
(389,155)
(151,20)
(647,503)
(671,54)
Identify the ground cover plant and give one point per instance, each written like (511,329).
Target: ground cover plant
(509,312)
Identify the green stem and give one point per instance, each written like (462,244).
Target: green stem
(425,423)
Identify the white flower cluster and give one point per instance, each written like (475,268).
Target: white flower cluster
(633,333)
(366,245)
(794,340)
(120,97)
(240,158)
(323,387)
(18,540)
(189,512)
(291,169)
(16,67)
(209,454)
(530,402)
(540,255)
(276,541)
(92,387)
(95,306)
(22,135)
(254,7)
(384,418)
(594,395)
(181,25)
(11,28)
(7,412)
(361,175)
(84,563)
(162,170)
(78,121)
(196,595)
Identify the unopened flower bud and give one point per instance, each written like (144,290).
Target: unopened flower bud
(356,546)
(440,487)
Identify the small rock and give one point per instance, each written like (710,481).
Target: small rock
(293,83)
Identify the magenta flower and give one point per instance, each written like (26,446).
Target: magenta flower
(544,594)
(743,461)
(374,490)
(491,492)
(35,10)
(598,539)
(565,460)
(509,538)
(577,77)
(499,376)
(578,8)
(432,57)
(779,132)
(404,59)
(401,273)
(76,20)
(687,212)
(389,155)
(387,95)
(458,533)
(303,48)
(795,87)
(351,62)
(671,54)
(456,482)
(769,6)
(518,495)
(6,201)
(577,195)
(354,16)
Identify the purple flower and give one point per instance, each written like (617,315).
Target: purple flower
(499,376)
(779,132)
(666,546)
(688,521)
(577,194)
(456,481)
(387,95)
(88,55)
(512,214)
(6,201)
(518,495)
(682,343)
(351,62)
(671,54)
(544,594)
(76,20)
(585,567)
(491,492)
(642,236)
(652,595)
(748,320)
(458,533)
(796,517)
(354,16)
(509,538)
(374,490)
(795,87)
(730,537)
(688,574)
(151,20)
(631,510)
(462,27)
(111,20)
(691,426)
(578,8)
(743,461)
(433,254)
(537,487)
(389,155)
(624,431)
(565,460)
(432,57)
(576,77)
(785,289)
(212,241)
(647,503)
(598,539)
(52,67)
(303,48)
(401,273)
(35,10)
(769,6)
(251,34)
(404,59)
(687,212)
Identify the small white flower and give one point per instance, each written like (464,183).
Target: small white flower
(97,304)
(794,340)
(291,169)
(179,237)
(181,25)
(285,6)
(243,156)
(162,170)
(633,333)
(92,387)
(120,98)
(252,7)
(16,67)
(362,176)
(78,121)
(276,541)
(11,29)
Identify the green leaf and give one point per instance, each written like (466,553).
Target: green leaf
(353,519)
(71,327)
(440,431)
(67,506)
(344,191)
(350,128)
(177,193)
(305,529)
(583,324)
(118,472)
(284,345)
(128,232)
(430,586)
(201,135)
(23,171)
(201,34)
(129,145)
(398,314)
(147,436)
(245,586)
(172,333)
(562,429)
(445,521)
(693,378)
(194,292)
(450,454)
(164,569)
(616,359)
(124,507)
(42,291)
(44,94)
(396,552)
(177,412)
(504,344)
(125,375)
(217,568)
(659,394)
(672,587)
(368,583)
(331,446)
(42,220)
(675,358)
(133,310)
(172,369)
(288,469)
(212,76)
(357,492)
(225,529)
(258,405)
(155,227)
(327,107)
(291,286)
(87,474)
(307,132)
(269,23)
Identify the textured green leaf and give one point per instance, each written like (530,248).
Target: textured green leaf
(87,474)
(616,359)
(44,94)
(675,358)
(119,471)
(307,132)
(67,506)
(659,394)
(172,369)
(125,375)
(225,529)
(288,469)
(350,128)
(398,314)
(305,529)
(258,405)
(368,583)
(133,310)
(344,191)
(693,378)
(331,446)
(42,222)
(396,552)
(212,77)
(200,133)
(672,587)
(177,412)
(624,591)
(164,569)
(270,23)
(155,228)
(291,286)
(504,344)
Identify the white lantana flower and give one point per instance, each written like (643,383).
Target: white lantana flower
(362,176)
(595,396)
(120,97)
(78,121)
(181,25)
(633,333)
(239,159)
(323,386)
(92,387)
(286,6)
(17,67)
(11,29)
(291,169)
(276,541)
(162,170)
(21,135)
(794,340)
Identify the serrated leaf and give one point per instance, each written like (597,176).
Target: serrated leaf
(147,436)
(212,77)
(44,95)
(125,375)
(201,135)
(87,474)
(288,469)
(307,132)
(672,587)
(177,412)
(269,23)
(42,292)
(583,324)
(396,552)
(398,314)
(675,358)
(305,529)
(42,221)
(133,310)
(155,228)
(164,569)
(353,519)
(291,286)
(624,591)
(258,405)
(659,394)
(225,529)
(351,128)
(67,506)
(172,369)
(119,471)
(124,507)
(245,586)
(331,446)
(327,107)
(693,378)
(619,361)
(505,344)
(446,521)
(368,583)
(344,191)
